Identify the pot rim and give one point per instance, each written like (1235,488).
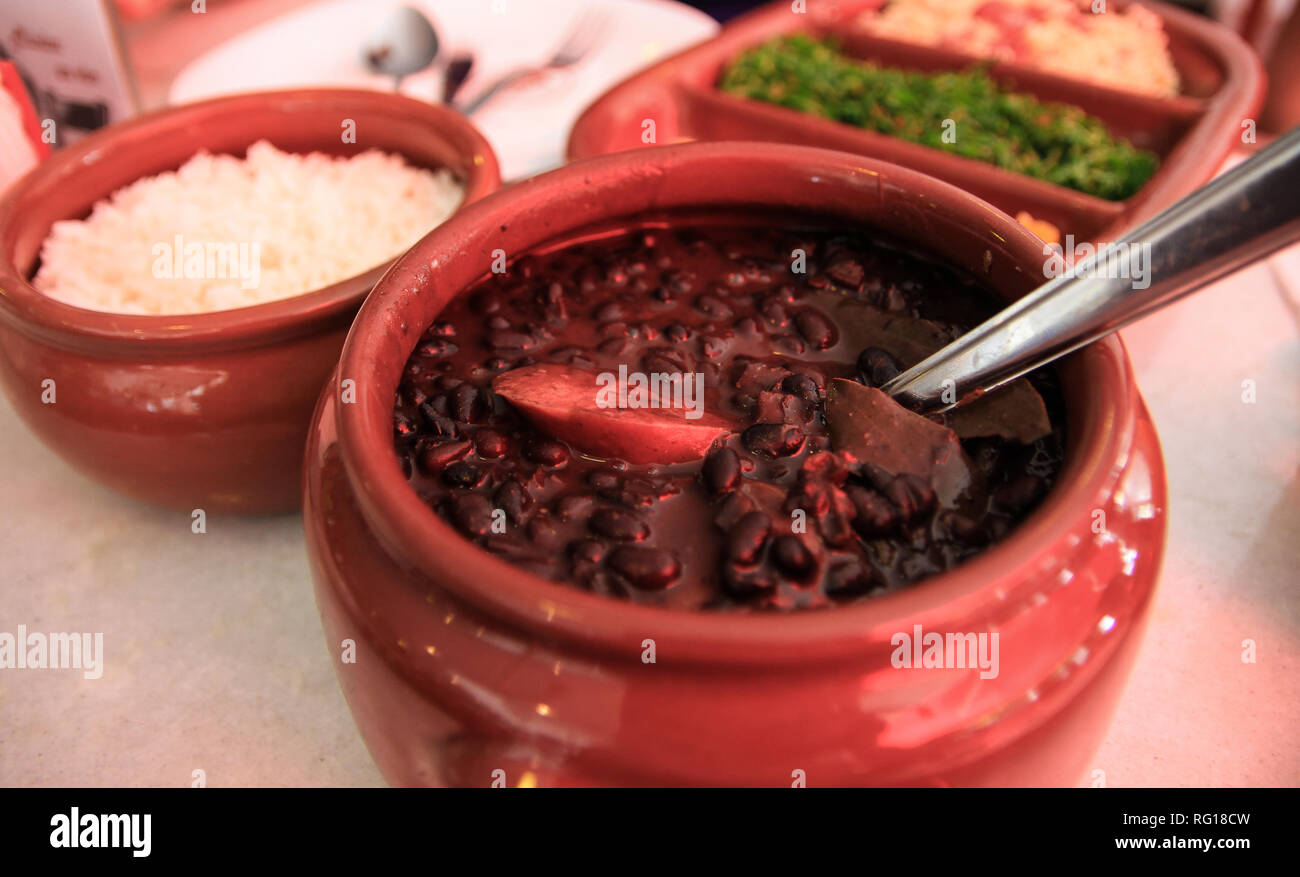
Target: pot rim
(412,532)
(26,308)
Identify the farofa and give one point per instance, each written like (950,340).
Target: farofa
(1126,50)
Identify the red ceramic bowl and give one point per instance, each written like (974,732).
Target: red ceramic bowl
(200,410)
(462,669)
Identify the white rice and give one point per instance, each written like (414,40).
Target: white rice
(225,232)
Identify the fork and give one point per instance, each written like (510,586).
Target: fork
(579,40)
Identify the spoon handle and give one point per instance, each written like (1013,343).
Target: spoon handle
(1243,215)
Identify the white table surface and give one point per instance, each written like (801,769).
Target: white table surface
(214,657)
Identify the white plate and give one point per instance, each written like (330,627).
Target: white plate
(527,127)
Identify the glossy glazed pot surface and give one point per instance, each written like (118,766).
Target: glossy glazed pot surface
(201,410)
(421,572)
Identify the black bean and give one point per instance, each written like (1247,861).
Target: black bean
(911,495)
(543,532)
(774,312)
(404,425)
(490,444)
(676,332)
(438,427)
(510,546)
(680,281)
(851,578)
(666,360)
(587,551)
(440,330)
(964,528)
(508,339)
(747,582)
(721,470)
(874,516)
(877,366)
(731,509)
(467,403)
(434,457)
(792,556)
(802,386)
(411,395)
(714,307)
(462,475)
(773,439)
(553,304)
(439,403)
(746,539)
(623,497)
(816,329)
(547,452)
(437,347)
(513,499)
(712,346)
(644,567)
(574,506)
(835,527)
(618,524)
(472,513)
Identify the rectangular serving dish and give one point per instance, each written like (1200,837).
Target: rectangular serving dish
(1192,132)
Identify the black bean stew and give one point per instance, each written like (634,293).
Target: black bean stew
(796,485)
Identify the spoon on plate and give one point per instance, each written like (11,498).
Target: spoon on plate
(404,43)
(1243,215)
(577,43)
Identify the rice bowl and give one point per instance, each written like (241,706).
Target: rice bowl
(225,232)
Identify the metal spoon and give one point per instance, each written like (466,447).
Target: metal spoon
(1243,215)
(404,43)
